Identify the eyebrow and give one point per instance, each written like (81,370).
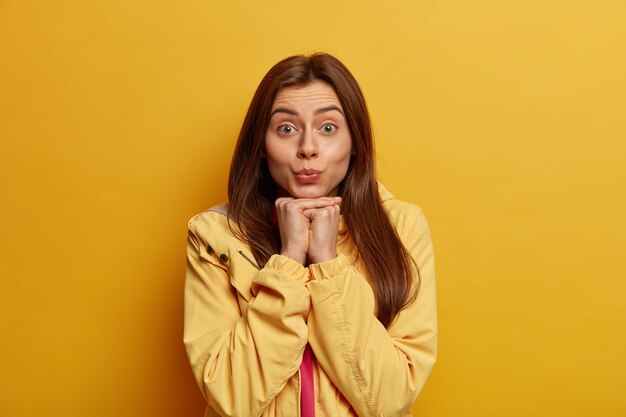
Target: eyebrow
(318,111)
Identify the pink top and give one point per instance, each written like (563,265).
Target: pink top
(307,396)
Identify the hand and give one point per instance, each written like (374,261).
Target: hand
(295,226)
(323,232)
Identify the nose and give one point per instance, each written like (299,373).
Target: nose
(308,146)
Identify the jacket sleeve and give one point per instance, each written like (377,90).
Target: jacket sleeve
(242,360)
(380,371)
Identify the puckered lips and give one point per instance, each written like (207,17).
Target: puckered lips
(308,176)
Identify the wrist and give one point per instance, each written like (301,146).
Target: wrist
(318,258)
(300,258)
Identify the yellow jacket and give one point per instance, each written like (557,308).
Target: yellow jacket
(246,328)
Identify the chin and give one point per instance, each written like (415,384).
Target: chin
(308,195)
(309,192)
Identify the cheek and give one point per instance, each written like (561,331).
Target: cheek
(342,151)
(275,154)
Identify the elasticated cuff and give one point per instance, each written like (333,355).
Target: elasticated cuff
(329,269)
(288,266)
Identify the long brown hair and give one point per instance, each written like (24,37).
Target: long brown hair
(252,191)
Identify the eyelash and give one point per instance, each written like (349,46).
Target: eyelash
(329,124)
(281,129)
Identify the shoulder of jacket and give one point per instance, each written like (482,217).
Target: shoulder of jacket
(215,239)
(212,228)
(399,210)
(216,215)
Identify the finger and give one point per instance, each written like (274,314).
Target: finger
(308,203)
(321,212)
(330,207)
(281,201)
(284,202)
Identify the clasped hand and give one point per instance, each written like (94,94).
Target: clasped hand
(308,228)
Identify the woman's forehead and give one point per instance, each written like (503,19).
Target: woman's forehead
(312,94)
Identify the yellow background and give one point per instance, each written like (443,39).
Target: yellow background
(504,120)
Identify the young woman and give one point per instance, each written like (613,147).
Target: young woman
(312,291)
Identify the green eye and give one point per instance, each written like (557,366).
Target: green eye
(285,129)
(329,128)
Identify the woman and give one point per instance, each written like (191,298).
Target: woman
(312,292)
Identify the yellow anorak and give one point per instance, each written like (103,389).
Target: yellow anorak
(246,327)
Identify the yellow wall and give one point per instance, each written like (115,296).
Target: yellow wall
(504,120)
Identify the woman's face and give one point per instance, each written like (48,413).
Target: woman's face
(308,143)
